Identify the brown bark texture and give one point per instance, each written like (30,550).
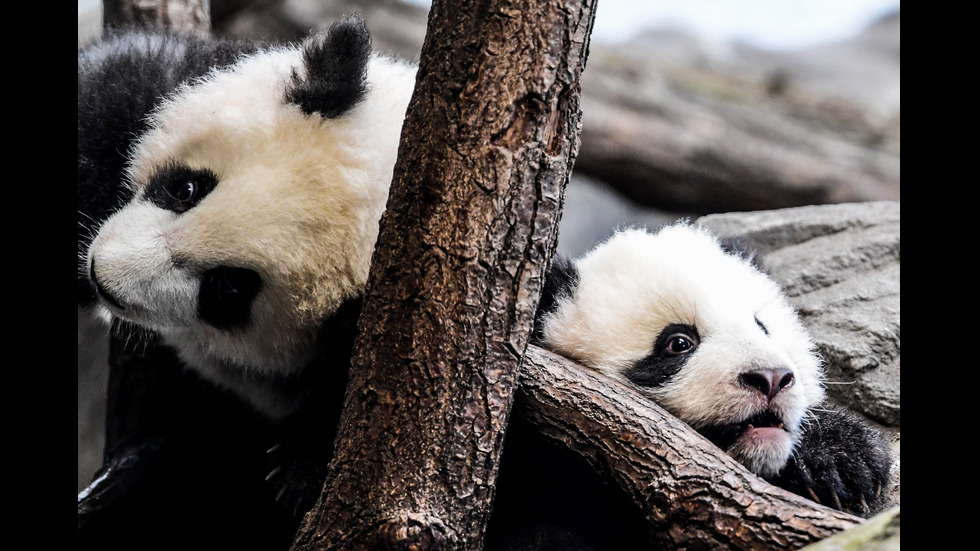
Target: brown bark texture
(694,495)
(182,16)
(471,224)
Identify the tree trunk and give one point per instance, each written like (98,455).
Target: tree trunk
(471,224)
(183,16)
(695,495)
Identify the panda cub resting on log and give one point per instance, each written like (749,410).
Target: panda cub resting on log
(698,326)
(229,195)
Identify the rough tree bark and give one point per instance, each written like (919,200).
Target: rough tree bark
(185,16)
(695,495)
(471,224)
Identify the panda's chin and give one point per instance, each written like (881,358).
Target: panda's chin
(762,443)
(763,450)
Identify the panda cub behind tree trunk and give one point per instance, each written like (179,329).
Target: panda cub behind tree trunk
(228,196)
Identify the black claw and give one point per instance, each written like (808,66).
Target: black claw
(272,473)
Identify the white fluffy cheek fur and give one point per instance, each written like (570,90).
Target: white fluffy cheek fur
(807,365)
(133,264)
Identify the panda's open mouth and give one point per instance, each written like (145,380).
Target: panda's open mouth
(725,435)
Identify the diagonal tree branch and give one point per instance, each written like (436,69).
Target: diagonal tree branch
(696,495)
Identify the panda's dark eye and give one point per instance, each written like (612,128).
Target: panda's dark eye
(679,344)
(179,188)
(185,192)
(677,340)
(673,348)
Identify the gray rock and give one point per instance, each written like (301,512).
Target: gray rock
(840,265)
(593,211)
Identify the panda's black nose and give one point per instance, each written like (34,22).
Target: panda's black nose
(225,297)
(768,381)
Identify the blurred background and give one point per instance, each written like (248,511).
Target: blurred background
(689,108)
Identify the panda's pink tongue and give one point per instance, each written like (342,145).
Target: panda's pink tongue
(750,427)
(763,433)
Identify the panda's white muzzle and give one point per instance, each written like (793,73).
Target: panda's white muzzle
(131,266)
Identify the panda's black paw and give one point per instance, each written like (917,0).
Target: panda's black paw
(840,462)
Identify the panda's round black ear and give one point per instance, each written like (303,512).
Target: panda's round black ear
(336,69)
(560,281)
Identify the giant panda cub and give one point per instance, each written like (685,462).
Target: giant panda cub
(696,325)
(257,192)
(237,243)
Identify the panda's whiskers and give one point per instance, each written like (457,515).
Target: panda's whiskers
(134,337)
(89,227)
(809,417)
(91,219)
(87,231)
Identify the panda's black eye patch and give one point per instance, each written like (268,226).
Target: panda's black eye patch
(671,350)
(761,326)
(180,188)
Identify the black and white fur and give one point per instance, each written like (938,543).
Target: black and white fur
(696,325)
(255,198)
(229,198)
(121,79)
